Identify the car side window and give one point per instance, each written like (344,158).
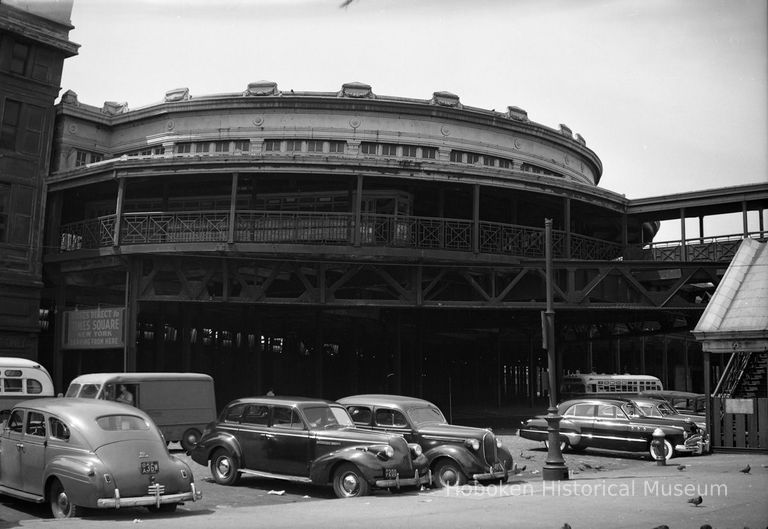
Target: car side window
(284,417)
(35,424)
(360,414)
(388,417)
(606,411)
(16,421)
(256,414)
(234,413)
(58,430)
(581,410)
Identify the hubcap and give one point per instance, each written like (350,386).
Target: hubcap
(224,466)
(63,502)
(449,476)
(350,484)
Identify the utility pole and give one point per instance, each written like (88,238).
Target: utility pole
(554,467)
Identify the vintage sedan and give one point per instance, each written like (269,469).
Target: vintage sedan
(75,453)
(307,440)
(456,454)
(662,409)
(616,424)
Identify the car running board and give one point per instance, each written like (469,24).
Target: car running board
(260,474)
(21,494)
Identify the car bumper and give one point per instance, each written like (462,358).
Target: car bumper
(398,482)
(697,447)
(156,499)
(493,475)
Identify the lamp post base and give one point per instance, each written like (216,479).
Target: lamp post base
(554,467)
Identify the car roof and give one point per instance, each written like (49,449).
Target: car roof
(281,400)
(80,410)
(96,378)
(672,394)
(597,400)
(386,400)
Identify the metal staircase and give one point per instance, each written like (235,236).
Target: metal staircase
(745,376)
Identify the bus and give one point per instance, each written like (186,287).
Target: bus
(603,385)
(21,379)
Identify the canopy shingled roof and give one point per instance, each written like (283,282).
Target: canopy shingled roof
(738,310)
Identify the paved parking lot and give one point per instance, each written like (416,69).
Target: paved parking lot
(251,491)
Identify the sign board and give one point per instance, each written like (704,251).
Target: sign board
(100,328)
(740,406)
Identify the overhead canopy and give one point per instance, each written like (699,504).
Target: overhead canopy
(736,318)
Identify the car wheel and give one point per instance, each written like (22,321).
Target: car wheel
(163,508)
(61,506)
(446,473)
(563,445)
(668,451)
(577,448)
(349,482)
(190,439)
(224,467)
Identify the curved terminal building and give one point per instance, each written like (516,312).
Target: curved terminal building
(330,243)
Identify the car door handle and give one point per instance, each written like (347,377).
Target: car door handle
(268,436)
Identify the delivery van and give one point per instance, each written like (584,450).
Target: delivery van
(181,404)
(21,379)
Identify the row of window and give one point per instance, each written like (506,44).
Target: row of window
(323,146)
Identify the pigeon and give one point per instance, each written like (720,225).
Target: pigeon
(696,501)
(525,456)
(745,470)
(566,525)
(681,467)
(662,526)
(706,526)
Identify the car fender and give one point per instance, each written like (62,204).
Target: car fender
(201,453)
(81,477)
(322,468)
(461,455)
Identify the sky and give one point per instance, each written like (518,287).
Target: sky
(670,94)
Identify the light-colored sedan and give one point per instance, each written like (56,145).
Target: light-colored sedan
(75,453)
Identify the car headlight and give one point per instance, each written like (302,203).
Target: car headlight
(382,451)
(474,444)
(499,444)
(415,449)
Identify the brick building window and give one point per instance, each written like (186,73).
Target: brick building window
(429,153)
(10,125)
(389,149)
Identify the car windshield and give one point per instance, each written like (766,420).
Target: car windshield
(87,391)
(426,415)
(633,411)
(665,409)
(327,417)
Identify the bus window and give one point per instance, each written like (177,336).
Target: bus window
(12,385)
(89,391)
(34,386)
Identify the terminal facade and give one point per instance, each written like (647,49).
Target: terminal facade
(326,243)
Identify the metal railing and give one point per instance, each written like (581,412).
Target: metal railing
(720,248)
(423,233)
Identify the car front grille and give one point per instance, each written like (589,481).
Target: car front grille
(489,448)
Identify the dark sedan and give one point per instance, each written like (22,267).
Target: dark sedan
(616,424)
(455,453)
(306,440)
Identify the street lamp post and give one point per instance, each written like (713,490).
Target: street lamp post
(554,467)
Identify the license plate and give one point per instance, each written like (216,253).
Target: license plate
(150,467)
(390,473)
